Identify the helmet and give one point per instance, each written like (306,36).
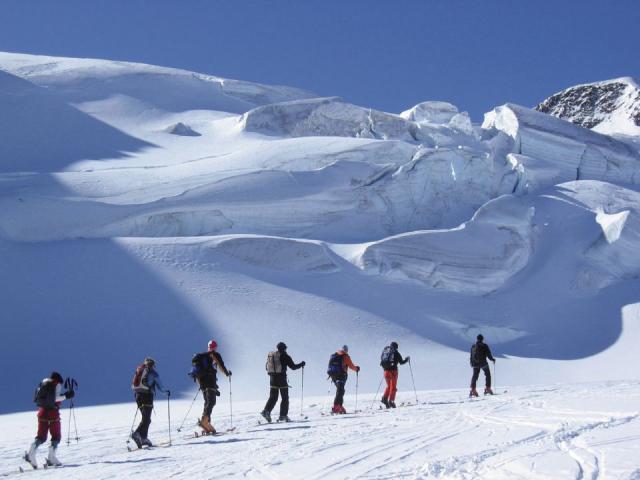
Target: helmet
(345,348)
(394,345)
(149,362)
(480,337)
(212,345)
(281,346)
(56,377)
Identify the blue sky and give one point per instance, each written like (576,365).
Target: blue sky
(387,54)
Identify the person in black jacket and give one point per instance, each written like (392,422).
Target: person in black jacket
(208,380)
(479,354)
(277,363)
(389,361)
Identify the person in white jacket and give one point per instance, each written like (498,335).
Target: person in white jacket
(48,397)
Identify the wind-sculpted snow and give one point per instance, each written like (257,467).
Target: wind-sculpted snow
(80,80)
(333,117)
(575,151)
(476,258)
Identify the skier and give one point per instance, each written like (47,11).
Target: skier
(277,363)
(480,351)
(389,361)
(339,363)
(145,382)
(205,371)
(48,397)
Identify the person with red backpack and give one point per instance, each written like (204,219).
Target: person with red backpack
(478,356)
(389,361)
(276,366)
(204,370)
(145,382)
(339,363)
(48,397)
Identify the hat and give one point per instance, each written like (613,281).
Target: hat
(150,362)
(212,345)
(480,337)
(55,376)
(281,347)
(345,348)
(394,345)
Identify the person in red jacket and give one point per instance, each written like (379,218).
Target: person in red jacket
(48,397)
(389,361)
(339,363)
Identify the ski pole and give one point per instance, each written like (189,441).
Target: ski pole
(169,413)
(324,403)
(302,395)
(494,376)
(357,376)
(230,403)
(74,385)
(376,395)
(189,411)
(132,424)
(412,381)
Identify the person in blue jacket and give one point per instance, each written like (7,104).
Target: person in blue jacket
(144,386)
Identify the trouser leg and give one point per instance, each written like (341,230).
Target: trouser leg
(209,395)
(43,426)
(273,398)
(55,428)
(284,402)
(487,376)
(145,421)
(387,379)
(474,377)
(339,400)
(393,385)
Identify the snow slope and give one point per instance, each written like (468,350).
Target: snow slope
(542,431)
(151,209)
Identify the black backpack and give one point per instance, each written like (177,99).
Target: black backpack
(45,395)
(475,358)
(336,365)
(388,357)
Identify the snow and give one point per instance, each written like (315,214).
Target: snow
(145,210)
(542,431)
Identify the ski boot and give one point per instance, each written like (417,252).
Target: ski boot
(385,402)
(206,426)
(52,460)
(488,391)
(266,415)
(342,410)
(146,442)
(336,409)
(473,393)
(392,404)
(284,418)
(135,436)
(30,456)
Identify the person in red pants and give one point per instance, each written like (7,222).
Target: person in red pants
(389,361)
(48,397)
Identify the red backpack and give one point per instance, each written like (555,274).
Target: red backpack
(139,382)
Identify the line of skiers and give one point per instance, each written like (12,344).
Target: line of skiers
(205,366)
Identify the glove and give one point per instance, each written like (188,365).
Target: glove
(69,394)
(494,360)
(229,373)
(168,393)
(357,369)
(408,359)
(303,363)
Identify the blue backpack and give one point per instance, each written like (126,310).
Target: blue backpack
(336,365)
(200,363)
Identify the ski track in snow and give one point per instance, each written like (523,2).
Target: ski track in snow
(582,431)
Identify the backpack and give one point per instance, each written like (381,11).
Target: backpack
(273,365)
(45,395)
(336,365)
(200,364)
(139,382)
(388,357)
(475,360)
